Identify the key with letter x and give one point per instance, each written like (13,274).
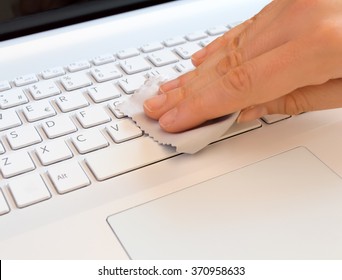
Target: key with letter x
(53,151)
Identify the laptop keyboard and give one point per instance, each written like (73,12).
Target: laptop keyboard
(60,128)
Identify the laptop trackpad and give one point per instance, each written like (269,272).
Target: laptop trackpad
(286,206)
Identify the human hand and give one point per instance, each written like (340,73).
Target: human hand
(287,59)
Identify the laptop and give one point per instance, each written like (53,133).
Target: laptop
(78,180)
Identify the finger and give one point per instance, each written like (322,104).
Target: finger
(232,50)
(285,69)
(178,82)
(311,98)
(219,43)
(171,93)
(247,30)
(158,105)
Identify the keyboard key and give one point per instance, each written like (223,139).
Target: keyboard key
(4,85)
(131,83)
(53,72)
(67,177)
(233,24)
(89,140)
(184,66)
(126,156)
(151,47)
(4,208)
(238,128)
(113,107)
(105,72)
(162,57)
(196,36)
(92,116)
(23,136)
(103,59)
(168,72)
(174,41)
(25,80)
(9,119)
(75,81)
(58,126)
(15,164)
(269,119)
(43,89)
(28,190)
(78,65)
(134,65)
(187,50)
(104,92)
(53,151)
(70,102)
(126,53)
(123,130)
(207,41)
(38,110)
(2,149)
(12,98)
(217,30)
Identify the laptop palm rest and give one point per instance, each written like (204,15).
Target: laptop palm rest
(284,207)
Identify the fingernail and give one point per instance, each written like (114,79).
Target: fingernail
(155,102)
(168,118)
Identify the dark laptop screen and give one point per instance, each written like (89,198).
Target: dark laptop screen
(21,17)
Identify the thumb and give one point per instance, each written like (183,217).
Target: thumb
(311,98)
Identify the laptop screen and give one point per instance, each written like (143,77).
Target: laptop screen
(22,17)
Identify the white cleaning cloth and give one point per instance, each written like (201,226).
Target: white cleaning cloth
(190,141)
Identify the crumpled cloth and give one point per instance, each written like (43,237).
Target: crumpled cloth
(190,141)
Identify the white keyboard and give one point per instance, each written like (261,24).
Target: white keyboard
(61,127)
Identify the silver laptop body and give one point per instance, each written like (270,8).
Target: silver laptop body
(111,215)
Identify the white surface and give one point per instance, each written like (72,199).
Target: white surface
(273,209)
(29,190)
(3,204)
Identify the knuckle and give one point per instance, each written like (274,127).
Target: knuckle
(233,59)
(297,103)
(239,79)
(329,31)
(235,42)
